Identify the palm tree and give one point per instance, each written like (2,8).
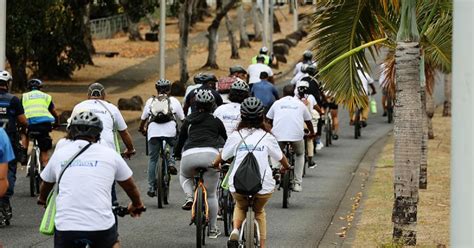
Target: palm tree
(340,28)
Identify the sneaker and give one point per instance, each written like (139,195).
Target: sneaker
(335,137)
(234,235)
(297,187)
(188,204)
(151,193)
(319,146)
(214,233)
(312,165)
(363,123)
(172,169)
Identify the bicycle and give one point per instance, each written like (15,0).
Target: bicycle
(200,208)
(357,123)
(289,177)
(249,236)
(33,166)
(328,127)
(226,203)
(163,175)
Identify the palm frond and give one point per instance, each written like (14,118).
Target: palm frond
(437,43)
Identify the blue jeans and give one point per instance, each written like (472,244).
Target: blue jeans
(155,146)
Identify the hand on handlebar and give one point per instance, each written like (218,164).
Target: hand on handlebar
(128,153)
(283,170)
(142,131)
(136,211)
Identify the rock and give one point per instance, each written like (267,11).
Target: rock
(129,104)
(295,35)
(138,99)
(284,41)
(281,48)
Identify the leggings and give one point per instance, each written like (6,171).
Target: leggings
(211,178)
(241,206)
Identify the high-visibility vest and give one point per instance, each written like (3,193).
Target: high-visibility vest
(267,59)
(36,104)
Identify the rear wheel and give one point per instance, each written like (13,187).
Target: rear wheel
(160,183)
(31,172)
(249,232)
(200,219)
(227,211)
(328,131)
(286,189)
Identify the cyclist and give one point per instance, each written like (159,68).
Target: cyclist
(6,155)
(288,116)
(256,134)
(201,136)
(113,121)
(310,102)
(208,82)
(238,71)
(255,70)
(263,52)
(229,113)
(41,113)
(157,132)
(265,91)
(224,84)
(366,81)
(12,116)
(84,204)
(307,59)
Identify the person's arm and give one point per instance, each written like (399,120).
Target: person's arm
(3,178)
(187,102)
(53,112)
(309,125)
(133,193)
(45,189)
(183,136)
(127,140)
(141,128)
(373,88)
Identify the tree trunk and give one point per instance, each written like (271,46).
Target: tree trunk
(276,25)
(213,34)
(87,31)
(18,69)
(408,134)
(152,22)
(184,19)
(257,24)
(133,32)
(430,109)
(447,95)
(244,38)
(423,182)
(232,39)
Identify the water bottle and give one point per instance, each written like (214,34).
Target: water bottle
(373,106)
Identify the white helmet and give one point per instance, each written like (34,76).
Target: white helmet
(302,83)
(5,76)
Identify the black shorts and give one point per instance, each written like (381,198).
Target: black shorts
(331,105)
(40,132)
(71,239)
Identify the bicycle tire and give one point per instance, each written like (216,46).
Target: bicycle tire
(286,189)
(327,129)
(199,219)
(330,129)
(228,211)
(167,179)
(31,172)
(249,232)
(160,182)
(37,182)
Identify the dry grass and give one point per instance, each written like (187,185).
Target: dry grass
(375,226)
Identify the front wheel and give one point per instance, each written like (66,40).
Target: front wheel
(160,183)
(200,219)
(228,211)
(286,189)
(31,172)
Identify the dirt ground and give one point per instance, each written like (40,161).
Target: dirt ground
(375,226)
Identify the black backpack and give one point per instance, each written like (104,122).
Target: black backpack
(247,178)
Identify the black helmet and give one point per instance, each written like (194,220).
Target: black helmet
(310,69)
(204,96)
(85,124)
(302,86)
(237,69)
(96,89)
(240,84)
(251,108)
(204,78)
(163,85)
(35,84)
(307,55)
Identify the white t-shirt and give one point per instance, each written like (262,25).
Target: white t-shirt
(191,88)
(254,71)
(288,115)
(84,202)
(107,134)
(229,114)
(366,80)
(268,146)
(167,129)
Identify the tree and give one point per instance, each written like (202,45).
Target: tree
(135,10)
(257,23)
(447,95)
(44,35)
(184,20)
(213,32)
(244,38)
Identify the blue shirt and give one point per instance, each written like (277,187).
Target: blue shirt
(6,151)
(265,91)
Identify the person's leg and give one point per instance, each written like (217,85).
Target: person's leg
(240,209)
(351,116)
(384,103)
(335,121)
(211,181)
(171,161)
(188,165)
(259,209)
(298,148)
(154,149)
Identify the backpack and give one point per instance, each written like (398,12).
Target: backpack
(224,83)
(160,109)
(247,178)
(5,113)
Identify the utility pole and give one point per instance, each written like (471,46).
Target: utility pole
(265,23)
(462,134)
(162,38)
(3,33)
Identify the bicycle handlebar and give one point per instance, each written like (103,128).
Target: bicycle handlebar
(122,211)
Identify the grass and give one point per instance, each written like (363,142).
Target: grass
(375,227)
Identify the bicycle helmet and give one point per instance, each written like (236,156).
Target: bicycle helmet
(237,69)
(307,55)
(263,50)
(204,96)
(302,86)
(163,85)
(240,84)
(35,84)
(204,78)
(310,69)
(5,76)
(85,124)
(96,89)
(251,108)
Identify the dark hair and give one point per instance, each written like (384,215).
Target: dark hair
(263,75)
(238,96)
(207,107)
(254,123)
(289,90)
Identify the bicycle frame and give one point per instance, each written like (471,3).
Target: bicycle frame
(200,184)
(33,168)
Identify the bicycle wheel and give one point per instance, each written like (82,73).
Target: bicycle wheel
(199,219)
(327,130)
(227,211)
(37,182)
(330,129)
(357,126)
(249,232)
(286,189)
(160,183)
(31,172)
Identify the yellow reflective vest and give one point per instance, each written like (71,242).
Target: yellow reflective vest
(36,105)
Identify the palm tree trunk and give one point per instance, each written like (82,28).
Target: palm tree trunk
(447,95)
(430,109)
(423,182)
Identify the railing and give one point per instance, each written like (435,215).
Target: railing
(104,28)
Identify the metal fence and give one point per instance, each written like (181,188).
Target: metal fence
(104,28)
